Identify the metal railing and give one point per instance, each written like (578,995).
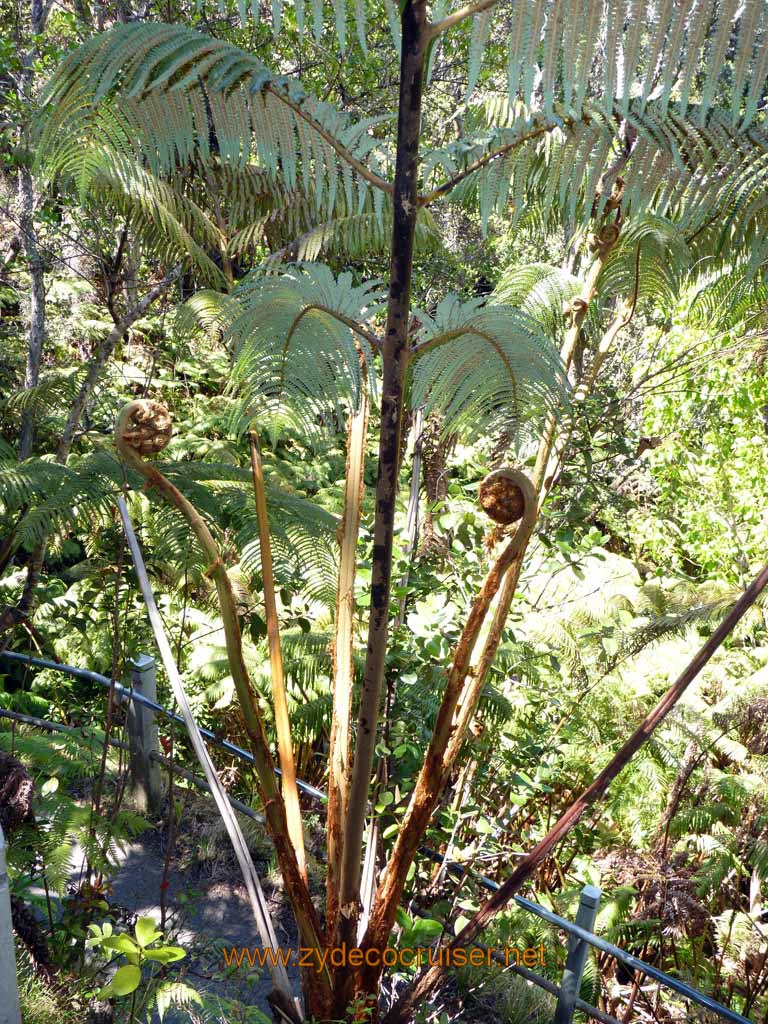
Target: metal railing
(143,743)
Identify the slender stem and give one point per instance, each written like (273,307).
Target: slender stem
(279,695)
(395,358)
(436,767)
(343,663)
(426,983)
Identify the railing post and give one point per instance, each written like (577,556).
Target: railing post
(577,955)
(10,1012)
(142,737)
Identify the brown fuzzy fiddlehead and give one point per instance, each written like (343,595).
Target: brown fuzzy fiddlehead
(602,242)
(507,496)
(144,427)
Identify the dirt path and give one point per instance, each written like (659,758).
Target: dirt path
(206,909)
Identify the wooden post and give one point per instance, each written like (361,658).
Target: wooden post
(142,737)
(577,955)
(10,1012)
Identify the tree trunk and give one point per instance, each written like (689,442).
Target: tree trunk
(395,358)
(36,332)
(99,359)
(29,240)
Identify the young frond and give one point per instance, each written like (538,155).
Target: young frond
(650,260)
(486,367)
(540,291)
(299,336)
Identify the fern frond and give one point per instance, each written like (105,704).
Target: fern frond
(298,337)
(540,291)
(173,96)
(486,368)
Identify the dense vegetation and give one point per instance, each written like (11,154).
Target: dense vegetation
(354,299)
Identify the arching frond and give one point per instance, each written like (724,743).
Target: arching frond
(42,497)
(173,96)
(298,336)
(724,302)
(162,216)
(648,52)
(650,260)
(698,175)
(486,366)
(540,291)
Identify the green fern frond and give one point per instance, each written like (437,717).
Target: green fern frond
(650,260)
(540,291)
(294,347)
(173,96)
(485,368)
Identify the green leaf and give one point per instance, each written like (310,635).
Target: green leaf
(146,931)
(121,944)
(126,980)
(424,929)
(166,954)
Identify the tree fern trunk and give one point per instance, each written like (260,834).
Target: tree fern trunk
(395,358)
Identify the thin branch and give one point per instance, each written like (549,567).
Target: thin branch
(435,28)
(342,151)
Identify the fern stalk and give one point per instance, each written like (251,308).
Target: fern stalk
(343,663)
(578,309)
(435,770)
(394,362)
(129,433)
(279,695)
